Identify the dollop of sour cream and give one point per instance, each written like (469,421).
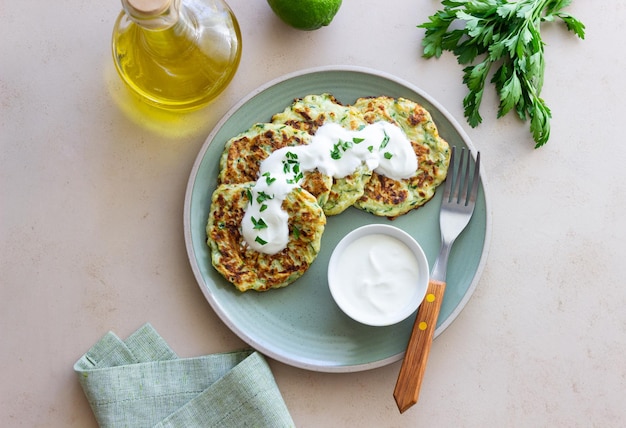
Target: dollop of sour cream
(334,151)
(376,277)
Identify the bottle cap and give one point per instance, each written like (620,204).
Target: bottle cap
(147,8)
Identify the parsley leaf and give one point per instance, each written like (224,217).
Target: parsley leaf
(259,224)
(342,146)
(385,141)
(262,197)
(500,40)
(268,178)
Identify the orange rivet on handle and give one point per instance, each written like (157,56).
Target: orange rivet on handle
(430,298)
(422,325)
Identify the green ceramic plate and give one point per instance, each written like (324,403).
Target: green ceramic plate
(300,325)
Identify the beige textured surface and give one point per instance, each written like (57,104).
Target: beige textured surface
(91,202)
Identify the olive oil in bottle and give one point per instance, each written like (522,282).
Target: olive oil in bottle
(176,54)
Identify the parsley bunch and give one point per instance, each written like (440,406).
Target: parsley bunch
(503,34)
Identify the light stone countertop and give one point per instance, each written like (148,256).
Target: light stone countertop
(91,206)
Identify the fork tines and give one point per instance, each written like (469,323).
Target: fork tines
(462,192)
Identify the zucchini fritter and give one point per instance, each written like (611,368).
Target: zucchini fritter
(391,198)
(313,111)
(252,270)
(242,156)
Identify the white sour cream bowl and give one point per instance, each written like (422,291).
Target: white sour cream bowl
(378,275)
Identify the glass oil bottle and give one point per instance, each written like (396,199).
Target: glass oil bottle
(176,54)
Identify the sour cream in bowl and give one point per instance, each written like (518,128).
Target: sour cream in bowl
(378,275)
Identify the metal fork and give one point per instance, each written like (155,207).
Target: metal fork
(457,207)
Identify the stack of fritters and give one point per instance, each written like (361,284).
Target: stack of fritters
(308,114)
(320,195)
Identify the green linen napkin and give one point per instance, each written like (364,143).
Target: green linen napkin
(141,382)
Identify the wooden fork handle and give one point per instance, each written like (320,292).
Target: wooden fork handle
(413,366)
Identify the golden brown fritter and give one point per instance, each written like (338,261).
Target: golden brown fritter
(386,197)
(248,269)
(242,156)
(313,111)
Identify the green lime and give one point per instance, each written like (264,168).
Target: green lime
(305,14)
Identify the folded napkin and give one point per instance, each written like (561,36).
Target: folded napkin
(141,382)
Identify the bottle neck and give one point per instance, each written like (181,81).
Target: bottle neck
(153,14)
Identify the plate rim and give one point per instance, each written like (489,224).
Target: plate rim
(299,363)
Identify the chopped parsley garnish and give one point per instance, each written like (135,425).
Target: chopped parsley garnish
(292,165)
(259,224)
(388,155)
(342,146)
(262,197)
(385,141)
(268,178)
(296,178)
(260,240)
